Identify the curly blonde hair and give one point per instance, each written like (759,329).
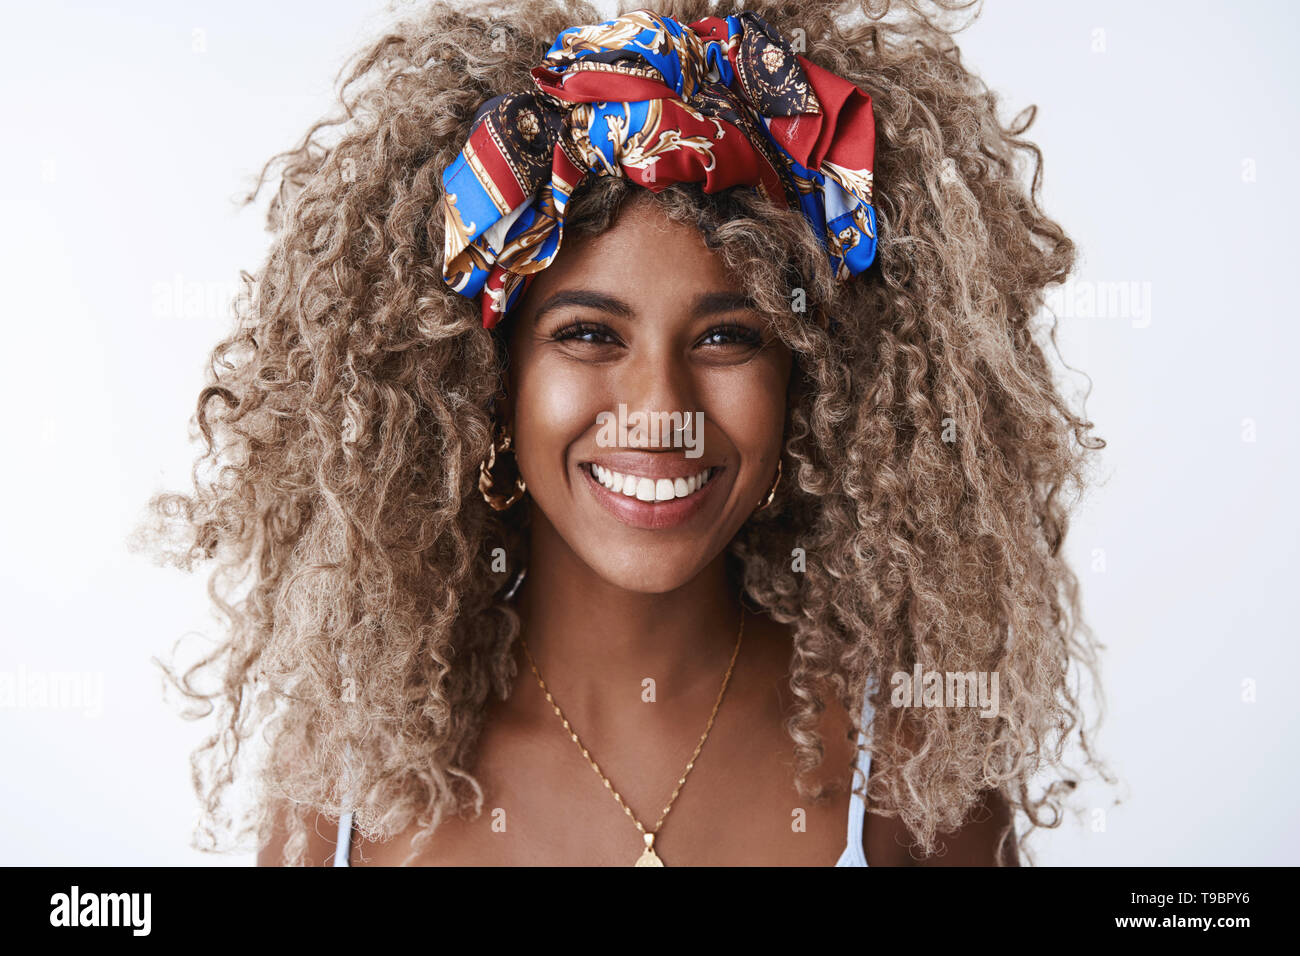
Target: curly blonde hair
(930,458)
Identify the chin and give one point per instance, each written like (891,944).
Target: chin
(644,574)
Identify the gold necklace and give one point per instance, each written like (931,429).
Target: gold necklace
(648,856)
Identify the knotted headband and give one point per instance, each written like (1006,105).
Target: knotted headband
(721,101)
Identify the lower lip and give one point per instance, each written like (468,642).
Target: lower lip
(653,515)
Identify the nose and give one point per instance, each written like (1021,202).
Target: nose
(659,381)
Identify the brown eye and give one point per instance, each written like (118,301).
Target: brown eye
(732,335)
(591,332)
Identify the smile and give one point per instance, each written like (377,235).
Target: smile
(650,489)
(648,501)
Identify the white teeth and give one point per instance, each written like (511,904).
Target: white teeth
(649,489)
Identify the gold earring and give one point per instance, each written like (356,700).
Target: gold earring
(771,492)
(485,481)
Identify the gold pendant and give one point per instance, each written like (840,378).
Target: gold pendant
(648,856)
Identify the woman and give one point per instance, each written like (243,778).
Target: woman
(620,526)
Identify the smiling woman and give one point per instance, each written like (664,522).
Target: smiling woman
(660,646)
(662,327)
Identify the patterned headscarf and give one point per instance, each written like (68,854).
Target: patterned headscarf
(725,102)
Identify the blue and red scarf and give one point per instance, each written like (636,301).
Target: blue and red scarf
(722,101)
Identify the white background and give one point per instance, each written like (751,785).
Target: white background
(1168,130)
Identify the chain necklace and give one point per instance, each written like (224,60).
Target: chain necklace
(648,856)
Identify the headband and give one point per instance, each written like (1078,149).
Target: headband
(723,102)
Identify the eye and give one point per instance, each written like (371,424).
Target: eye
(732,334)
(591,332)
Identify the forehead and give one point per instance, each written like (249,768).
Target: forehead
(642,254)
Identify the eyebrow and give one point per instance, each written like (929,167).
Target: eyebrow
(707,303)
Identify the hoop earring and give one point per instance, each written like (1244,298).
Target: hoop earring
(517,580)
(771,492)
(498,502)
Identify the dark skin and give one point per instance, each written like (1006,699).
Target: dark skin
(607,605)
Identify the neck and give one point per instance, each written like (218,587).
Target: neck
(596,644)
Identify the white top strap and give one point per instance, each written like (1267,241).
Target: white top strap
(857,806)
(343,847)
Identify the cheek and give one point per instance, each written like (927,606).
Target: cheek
(554,407)
(749,407)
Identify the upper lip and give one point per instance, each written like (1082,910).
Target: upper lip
(650,465)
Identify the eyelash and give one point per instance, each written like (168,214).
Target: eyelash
(743,333)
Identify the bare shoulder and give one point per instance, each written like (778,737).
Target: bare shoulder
(976,842)
(322,834)
(887,841)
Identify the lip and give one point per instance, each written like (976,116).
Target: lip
(651,464)
(650,515)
